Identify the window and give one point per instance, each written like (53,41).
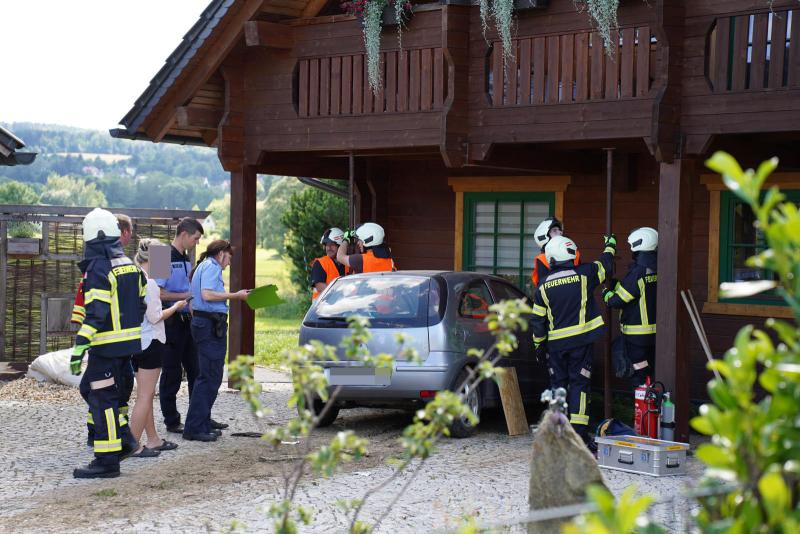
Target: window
(739,239)
(503,291)
(499,233)
(475,301)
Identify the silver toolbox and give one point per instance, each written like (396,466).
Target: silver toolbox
(647,456)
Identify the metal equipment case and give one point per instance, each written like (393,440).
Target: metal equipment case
(647,456)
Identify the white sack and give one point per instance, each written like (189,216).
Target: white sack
(54,367)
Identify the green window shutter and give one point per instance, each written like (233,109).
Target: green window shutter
(499,233)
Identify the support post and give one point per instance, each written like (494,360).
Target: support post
(351,161)
(241,336)
(3,286)
(608,405)
(674,274)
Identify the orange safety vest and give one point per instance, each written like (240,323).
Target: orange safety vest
(371,264)
(543,260)
(331,273)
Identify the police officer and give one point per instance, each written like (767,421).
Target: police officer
(546,230)
(326,269)
(79,313)
(636,297)
(114,290)
(210,333)
(566,322)
(179,351)
(374,254)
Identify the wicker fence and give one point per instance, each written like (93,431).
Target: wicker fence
(38,276)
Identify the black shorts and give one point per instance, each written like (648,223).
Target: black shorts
(150,358)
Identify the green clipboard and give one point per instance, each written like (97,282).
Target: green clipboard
(263,297)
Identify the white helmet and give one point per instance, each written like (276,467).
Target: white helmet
(371,234)
(100,223)
(643,239)
(560,249)
(332,235)
(542,234)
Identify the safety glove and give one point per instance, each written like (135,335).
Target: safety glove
(610,240)
(77,358)
(607,294)
(350,236)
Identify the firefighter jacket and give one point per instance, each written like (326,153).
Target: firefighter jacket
(635,296)
(541,267)
(565,314)
(330,271)
(78,310)
(114,290)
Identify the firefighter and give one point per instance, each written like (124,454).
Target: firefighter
(546,230)
(566,322)
(374,254)
(79,313)
(326,269)
(635,296)
(114,290)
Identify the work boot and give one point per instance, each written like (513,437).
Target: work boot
(200,437)
(176,429)
(96,470)
(219,426)
(217,432)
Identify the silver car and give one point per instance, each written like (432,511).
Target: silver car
(442,315)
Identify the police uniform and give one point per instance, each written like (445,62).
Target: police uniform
(210,333)
(374,260)
(324,270)
(179,351)
(635,296)
(114,290)
(567,320)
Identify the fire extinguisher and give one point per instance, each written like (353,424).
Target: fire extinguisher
(647,404)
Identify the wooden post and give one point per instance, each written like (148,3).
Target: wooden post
(351,167)
(513,408)
(241,337)
(608,405)
(3,286)
(674,274)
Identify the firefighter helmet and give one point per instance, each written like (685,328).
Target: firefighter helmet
(332,235)
(542,234)
(560,249)
(371,234)
(643,239)
(100,223)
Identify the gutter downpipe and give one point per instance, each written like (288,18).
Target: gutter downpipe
(607,399)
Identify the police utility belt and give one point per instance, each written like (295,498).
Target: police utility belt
(219,319)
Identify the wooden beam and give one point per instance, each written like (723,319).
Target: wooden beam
(268,34)
(241,337)
(204,65)
(674,275)
(197,118)
(313,8)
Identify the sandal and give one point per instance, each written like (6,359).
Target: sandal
(166,446)
(146,453)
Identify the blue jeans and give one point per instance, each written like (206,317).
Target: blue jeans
(211,359)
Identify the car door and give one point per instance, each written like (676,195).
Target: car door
(529,373)
(473,307)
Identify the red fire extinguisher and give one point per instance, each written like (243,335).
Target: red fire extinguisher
(647,404)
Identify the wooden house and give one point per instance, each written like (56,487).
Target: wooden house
(459,158)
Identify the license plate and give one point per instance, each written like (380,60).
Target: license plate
(358,376)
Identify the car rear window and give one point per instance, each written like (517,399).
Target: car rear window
(387,301)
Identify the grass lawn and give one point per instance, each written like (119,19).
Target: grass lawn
(272,336)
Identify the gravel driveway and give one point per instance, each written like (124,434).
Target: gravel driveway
(208,487)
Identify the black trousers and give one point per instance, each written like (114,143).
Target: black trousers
(126,389)
(179,355)
(103,389)
(643,359)
(211,351)
(572,370)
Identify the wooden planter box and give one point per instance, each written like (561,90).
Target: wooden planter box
(19,246)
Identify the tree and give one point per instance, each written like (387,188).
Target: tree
(220,209)
(270,229)
(13,192)
(310,213)
(69,191)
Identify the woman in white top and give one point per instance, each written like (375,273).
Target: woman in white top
(147,364)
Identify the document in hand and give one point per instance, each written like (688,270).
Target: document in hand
(264,296)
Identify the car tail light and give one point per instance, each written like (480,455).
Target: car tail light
(427,393)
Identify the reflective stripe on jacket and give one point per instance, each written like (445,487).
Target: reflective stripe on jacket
(373,264)
(635,296)
(331,273)
(565,314)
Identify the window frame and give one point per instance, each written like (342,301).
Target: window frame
(719,228)
(472,199)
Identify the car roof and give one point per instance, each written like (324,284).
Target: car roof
(454,276)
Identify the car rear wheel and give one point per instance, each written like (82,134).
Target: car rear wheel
(330,415)
(462,428)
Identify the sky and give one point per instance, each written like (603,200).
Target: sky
(84,63)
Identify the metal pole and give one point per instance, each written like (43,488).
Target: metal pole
(350,187)
(607,399)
